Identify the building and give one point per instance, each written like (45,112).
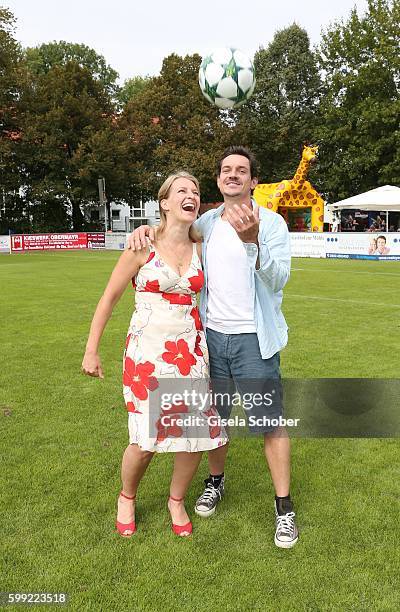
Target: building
(125,218)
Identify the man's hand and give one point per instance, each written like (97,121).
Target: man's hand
(137,240)
(245,221)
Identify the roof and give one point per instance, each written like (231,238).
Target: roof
(379,199)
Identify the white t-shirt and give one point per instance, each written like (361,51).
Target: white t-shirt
(230,304)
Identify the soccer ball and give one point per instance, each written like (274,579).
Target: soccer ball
(226,77)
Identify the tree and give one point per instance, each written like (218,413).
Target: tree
(360,109)
(108,153)
(9,56)
(281,115)
(11,204)
(131,88)
(173,127)
(41,59)
(62,110)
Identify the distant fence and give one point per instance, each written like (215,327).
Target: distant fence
(116,242)
(352,245)
(22,243)
(4,244)
(346,245)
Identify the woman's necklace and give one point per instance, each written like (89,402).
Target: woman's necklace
(179,258)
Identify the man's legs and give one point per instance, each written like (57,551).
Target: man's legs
(214,484)
(277,454)
(258,378)
(216,459)
(237,358)
(255,376)
(222,386)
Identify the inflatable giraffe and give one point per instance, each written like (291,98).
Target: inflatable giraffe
(294,193)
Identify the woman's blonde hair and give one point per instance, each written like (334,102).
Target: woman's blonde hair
(163,194)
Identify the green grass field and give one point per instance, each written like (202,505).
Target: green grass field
(63,435)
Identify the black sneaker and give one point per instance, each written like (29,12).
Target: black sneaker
(207,502)
(286,534)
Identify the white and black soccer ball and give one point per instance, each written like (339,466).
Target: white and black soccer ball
(226,77)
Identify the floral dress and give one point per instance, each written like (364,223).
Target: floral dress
(166,374)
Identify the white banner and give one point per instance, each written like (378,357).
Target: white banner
(304,244)
(346,245)
(365,245)
(4,244)
(116,242)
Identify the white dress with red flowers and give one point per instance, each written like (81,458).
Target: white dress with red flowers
(166,354)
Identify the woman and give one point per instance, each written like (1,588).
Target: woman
(372,247)
(165,340)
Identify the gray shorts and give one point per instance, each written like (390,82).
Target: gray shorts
(237,368)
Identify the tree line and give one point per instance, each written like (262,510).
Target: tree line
(65,122)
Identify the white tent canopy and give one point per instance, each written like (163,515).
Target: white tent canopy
(386,198)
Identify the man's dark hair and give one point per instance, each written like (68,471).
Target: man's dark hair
(383,238)
(239,150)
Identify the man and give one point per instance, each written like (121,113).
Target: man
(246,260)
(381,248)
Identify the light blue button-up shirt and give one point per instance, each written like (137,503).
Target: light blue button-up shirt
(267,282)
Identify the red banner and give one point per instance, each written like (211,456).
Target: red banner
(45,242)
(96,240)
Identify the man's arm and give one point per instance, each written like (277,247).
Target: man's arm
(274,255)
(137,240)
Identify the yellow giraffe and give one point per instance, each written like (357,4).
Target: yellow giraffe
(294,193)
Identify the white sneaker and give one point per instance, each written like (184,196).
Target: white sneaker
(286,534)
(208,500)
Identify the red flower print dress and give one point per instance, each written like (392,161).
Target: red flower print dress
(166,363)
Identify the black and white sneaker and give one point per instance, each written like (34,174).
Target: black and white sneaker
(286,534)
(208,501)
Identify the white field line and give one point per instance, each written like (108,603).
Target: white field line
(345,301)
(345,271)
(33,263)
(77,258)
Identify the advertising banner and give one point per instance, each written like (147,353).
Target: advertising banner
(304,244)
(341,245)
(116,242)
(366,245)
(4,244)
(45,242)
(96,240)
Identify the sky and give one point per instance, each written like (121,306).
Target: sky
(134,37)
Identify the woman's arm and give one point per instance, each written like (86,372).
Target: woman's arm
(127,267)
(199,249)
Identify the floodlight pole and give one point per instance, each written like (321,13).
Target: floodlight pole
(103,200)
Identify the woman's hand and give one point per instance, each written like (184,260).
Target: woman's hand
(91,365)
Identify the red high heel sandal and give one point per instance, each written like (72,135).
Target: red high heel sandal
(181,530)
(122,527)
